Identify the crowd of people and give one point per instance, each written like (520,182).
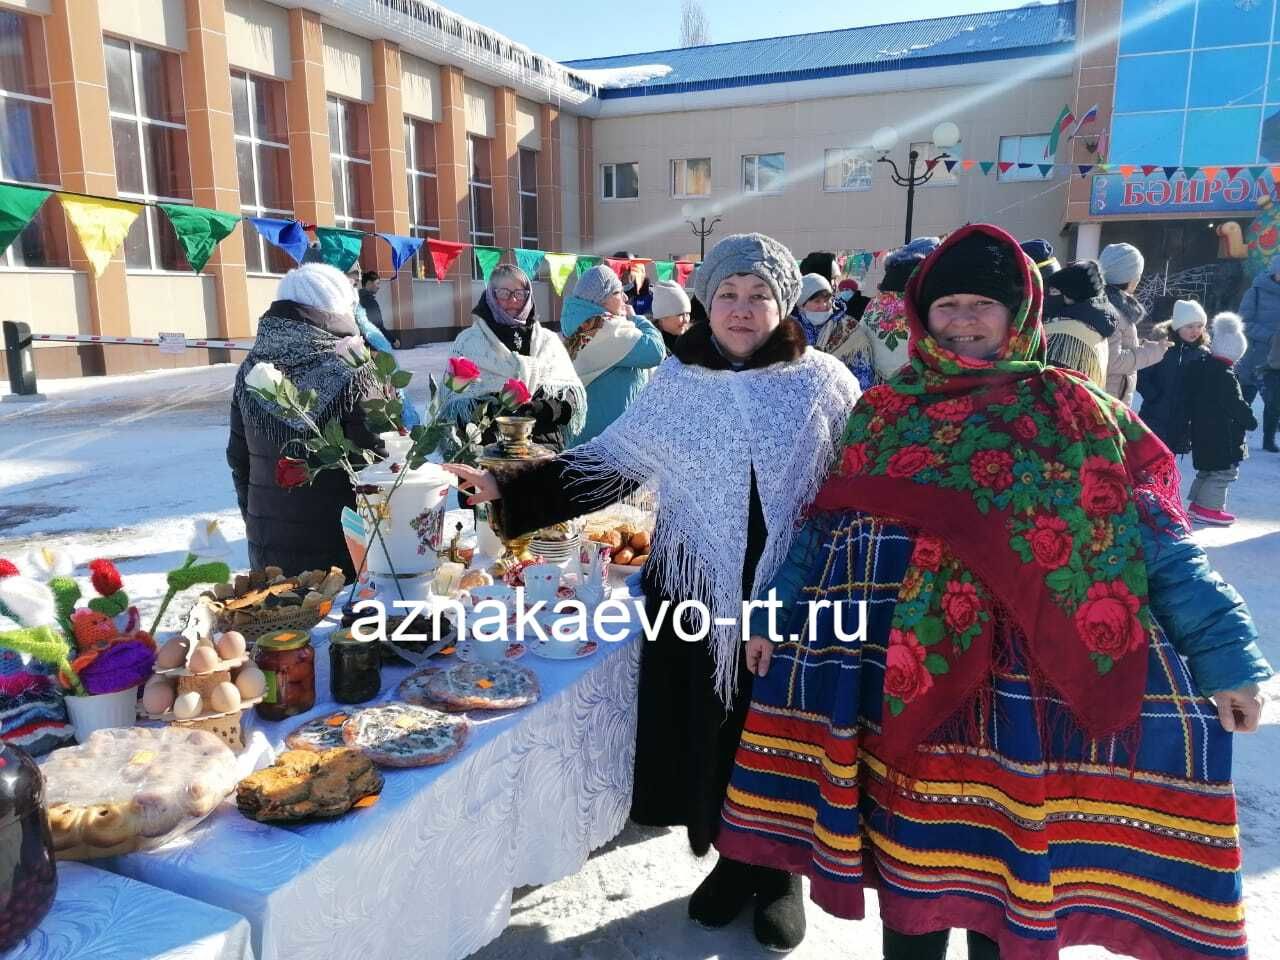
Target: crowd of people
(1030,740)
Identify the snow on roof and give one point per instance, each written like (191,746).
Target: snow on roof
(617,78)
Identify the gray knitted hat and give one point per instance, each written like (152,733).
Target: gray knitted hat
(1121,263)
(750,253)
(597,283)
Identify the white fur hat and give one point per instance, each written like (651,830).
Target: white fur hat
(318,285)
(1228,336)
(669,299)
(1187,312)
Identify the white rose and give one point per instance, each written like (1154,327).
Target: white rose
(352,351)
(264,378)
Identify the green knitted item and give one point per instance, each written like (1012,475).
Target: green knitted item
(66,593)
(111,606)
(185,577)
(42,644)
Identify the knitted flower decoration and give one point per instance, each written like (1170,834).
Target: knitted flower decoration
(105,577)
(7,569)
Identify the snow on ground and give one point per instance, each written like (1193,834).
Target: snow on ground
(118,467)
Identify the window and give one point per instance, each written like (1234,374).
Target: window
(528,199)
(620,181)
(27,150)
(691,178)
(931,151)
(262,161)
(846,170)
(424,205)
(479,162)
(763,172)
(149,131)
(350,165)
(1029,149)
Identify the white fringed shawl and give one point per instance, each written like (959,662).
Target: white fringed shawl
(695,434)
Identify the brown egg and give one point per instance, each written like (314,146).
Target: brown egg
(225,698)
(172,654)
(230,645)
(187,706)
(250,681)
(203,660)
(157,696)
(639,542)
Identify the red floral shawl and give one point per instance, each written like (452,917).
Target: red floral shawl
(1021,479)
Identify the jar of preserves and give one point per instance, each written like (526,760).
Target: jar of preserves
(355,668)
(288,662)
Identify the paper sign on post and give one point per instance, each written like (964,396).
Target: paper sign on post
(172,343)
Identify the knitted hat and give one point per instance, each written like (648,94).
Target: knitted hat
(754,254)
(669,299)
(978,264)
(848,284)
(597,284)
(1228,336)
(1121,263)
(1187,312)
(1041,254)
(819,262)
(902,262)
(810,284)
(318,285)
(1079,281)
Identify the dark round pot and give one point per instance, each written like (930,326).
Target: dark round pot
(28,877)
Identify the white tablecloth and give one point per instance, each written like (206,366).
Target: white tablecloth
(428,871)
(101,916)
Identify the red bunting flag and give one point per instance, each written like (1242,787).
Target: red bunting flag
(1006,166)
(684,269)
(1233,172)
(619,266)
(443,254)
(930,164)
(1148,169)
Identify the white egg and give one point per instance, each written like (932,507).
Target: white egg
(172,654)
(231,645)
(187,705)
(225,698)
(157,696)
(251,682)
(203,660)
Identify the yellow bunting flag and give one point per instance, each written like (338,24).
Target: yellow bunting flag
(101,226)
(560,265)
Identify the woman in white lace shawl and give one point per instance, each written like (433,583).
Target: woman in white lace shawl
(735,432)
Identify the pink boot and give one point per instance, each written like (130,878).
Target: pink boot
(1204,515)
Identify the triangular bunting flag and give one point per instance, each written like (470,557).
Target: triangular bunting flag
(1169,172)
(684,269)
(1084,169)
(443,253)
(617,266)
(1024,166)
(1005,166)
(1233,172)
(18,206)
(586,263)
(1257,171)
(930,164)
(285,234)
(403,249)
(1045,168)
(1191,172)
(199,230)
(1275,173)
(1210,173)
(529,261)
(665,269)
(1148,169)
(487,258)
(101,226)
(950,165)
(1126,170)
(986,166)
(968,164)
(339,248)
(559,266)
(1104,167)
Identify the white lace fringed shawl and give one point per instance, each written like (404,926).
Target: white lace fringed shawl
(695,435)
(547,368)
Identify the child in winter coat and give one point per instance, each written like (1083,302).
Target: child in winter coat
(1164,385)
(1219,420)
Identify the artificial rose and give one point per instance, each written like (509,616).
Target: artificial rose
(290,472)
(460,373)
(1025,429)
(928,553)
(854,460)
(960,606)
(1108,621)
(1104,487)
(352,351)
(104,576)
(264,378)
(954,410)
(992,469)
(7,569)
(905,676)
(514,394)
(909,461)
(1050,542)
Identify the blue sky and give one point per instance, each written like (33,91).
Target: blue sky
(576,29)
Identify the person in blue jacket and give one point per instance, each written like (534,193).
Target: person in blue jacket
(613,349)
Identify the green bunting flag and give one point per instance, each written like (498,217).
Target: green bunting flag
(339,248)
(487,258)
(586,263)
(1045,169)
(559,266)
(665,268)
(529,261)
(199,230)
(986,166)
(1191,172)
(18,205)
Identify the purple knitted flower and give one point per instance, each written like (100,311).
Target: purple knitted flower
(118,667)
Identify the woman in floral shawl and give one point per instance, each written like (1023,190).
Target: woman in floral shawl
(1016,740)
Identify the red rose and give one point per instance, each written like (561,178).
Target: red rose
(888,402)
(854,460)
(928,553)
(960,606)
(905,676)
(992,469)
(7,569)
(1104,487)
(950,411)
(1108,620)
(459,373)
(290,472)
(909,461)
(1025,429)
(514,394)
(104,576)
(1050,542)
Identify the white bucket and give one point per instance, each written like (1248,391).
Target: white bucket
(102,711)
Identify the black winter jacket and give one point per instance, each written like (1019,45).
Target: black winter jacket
(1219,416)
(298,528)
(1164,394)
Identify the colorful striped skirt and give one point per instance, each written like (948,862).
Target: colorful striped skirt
(1026,833)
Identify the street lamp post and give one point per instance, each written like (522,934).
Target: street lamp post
(701,228)
(945,135)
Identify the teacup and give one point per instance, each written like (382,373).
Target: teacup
(541,581)
(489,644)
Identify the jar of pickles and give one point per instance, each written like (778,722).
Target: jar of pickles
(355,668)
(288,661)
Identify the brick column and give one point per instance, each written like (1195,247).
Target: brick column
(78,87)
(550,186)
(390,184)
(452,178)
(1095,82)
(211,144)
(586,185)
(308,120)
(506,170)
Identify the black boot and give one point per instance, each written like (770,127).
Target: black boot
(779,918)
(722,895)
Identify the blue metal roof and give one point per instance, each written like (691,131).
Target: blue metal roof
(966,38)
